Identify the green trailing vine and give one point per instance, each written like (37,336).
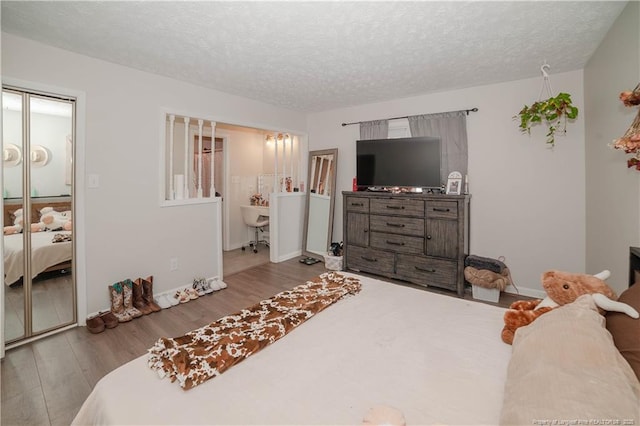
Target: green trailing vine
(554,112)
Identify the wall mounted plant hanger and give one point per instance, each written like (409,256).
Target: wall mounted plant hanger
(630,141)
(554,111)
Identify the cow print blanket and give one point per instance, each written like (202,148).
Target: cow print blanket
(210,350)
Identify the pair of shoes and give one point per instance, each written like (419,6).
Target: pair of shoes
(200,286)
(143,296)
(122,301)
(97,323)
(110,320)
(193,294)
(172,300)
(215,284)
(212,285)
(182,296)
(163,301)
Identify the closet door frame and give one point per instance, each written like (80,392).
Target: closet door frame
(78,200)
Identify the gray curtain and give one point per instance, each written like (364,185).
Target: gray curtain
(377,129)
(451,128)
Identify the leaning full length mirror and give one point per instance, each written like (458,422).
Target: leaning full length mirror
(318,223)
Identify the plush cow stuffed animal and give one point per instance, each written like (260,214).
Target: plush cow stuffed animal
(562,288)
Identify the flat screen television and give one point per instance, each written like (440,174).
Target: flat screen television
(402,162)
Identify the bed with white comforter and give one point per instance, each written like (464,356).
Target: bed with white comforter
(45,254)
(436,358)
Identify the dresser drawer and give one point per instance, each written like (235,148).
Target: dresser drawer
(442,209)
(423,270)
(357,204)
(397,206)
(367,259)
(397,224)
(397,243)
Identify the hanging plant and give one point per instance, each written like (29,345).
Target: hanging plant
(554,111)
(630,141)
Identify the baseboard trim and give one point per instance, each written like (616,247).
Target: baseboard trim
(288,256)
(529,292)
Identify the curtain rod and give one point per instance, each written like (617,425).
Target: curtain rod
(406,116)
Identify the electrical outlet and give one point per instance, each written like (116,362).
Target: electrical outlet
(173,264)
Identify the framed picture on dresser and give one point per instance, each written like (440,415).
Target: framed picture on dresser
(454,183)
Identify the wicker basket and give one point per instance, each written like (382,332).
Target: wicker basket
(333,263)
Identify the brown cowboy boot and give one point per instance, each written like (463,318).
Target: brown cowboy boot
(138,298)
(147,294)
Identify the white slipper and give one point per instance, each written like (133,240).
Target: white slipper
(206,287)
(163,301)
(173,300)
(214,284)
(222,284)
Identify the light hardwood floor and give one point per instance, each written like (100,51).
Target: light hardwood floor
(238,260)
(46,382)
(52,301)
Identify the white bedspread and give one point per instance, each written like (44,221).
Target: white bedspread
(44,254)
(438,359)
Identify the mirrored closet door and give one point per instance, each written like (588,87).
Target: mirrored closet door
(38,148)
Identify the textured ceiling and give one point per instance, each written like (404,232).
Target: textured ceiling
(315,56)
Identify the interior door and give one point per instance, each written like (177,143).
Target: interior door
(37,139)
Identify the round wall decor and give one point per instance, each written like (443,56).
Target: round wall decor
(39,156)
(11,155)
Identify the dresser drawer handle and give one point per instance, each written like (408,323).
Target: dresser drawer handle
(395,243)
(439,209)
(396,207)
(369,259)
(431,271)
(357,204)
(395,225)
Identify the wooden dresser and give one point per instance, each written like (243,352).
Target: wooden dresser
(419,238)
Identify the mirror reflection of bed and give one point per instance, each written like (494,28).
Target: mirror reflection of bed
(51,263)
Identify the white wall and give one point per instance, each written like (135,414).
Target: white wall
(127,233)
(287,222)
(613,200)
(527,200)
